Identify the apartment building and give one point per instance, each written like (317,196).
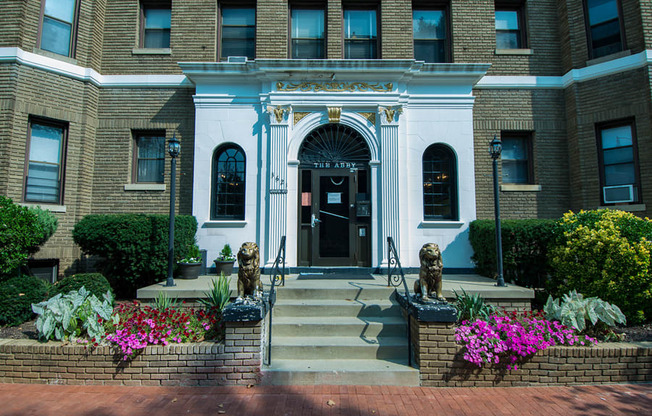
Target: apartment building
(334,123)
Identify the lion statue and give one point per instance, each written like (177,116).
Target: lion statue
(430,273)
(248,270)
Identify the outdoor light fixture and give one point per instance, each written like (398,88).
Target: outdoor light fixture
(174,147)
(495,149)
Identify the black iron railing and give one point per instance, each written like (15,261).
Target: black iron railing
(396,278)
(276,277)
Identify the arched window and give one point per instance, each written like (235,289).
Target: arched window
(439,184)
(228,183)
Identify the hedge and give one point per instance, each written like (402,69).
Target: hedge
(22,232)
(133,248)
(16,297)
(95,283)
(525,249)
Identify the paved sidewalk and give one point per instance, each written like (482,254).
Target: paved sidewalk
(33,399)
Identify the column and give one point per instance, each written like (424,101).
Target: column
(277,206)
(389,191)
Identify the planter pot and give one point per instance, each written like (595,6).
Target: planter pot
(225,267)
(189,270)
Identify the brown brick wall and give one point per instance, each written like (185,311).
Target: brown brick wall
(396,29)
(442,365)
(236,361)
(538,111)
(474,33)
(272,29)
(605,99)
(334,30)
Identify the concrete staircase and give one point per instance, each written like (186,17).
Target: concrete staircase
(338,332)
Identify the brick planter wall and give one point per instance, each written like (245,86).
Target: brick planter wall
(441,363)
(236,361)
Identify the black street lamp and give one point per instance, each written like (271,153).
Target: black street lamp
(173,149)
(495,148)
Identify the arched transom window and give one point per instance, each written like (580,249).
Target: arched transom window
(228,183)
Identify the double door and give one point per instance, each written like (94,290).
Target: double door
(334,218)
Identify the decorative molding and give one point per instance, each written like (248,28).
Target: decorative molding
(334,86)
(298,115)
(279,112)
(369,116)
(391,113)
(334,114)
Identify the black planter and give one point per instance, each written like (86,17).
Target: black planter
(225,267)
(189,270)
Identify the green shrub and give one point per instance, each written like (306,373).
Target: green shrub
(133,248)
(77,314)
(525,249)
(16,297)
(93,282)
(22,231)
(605,253)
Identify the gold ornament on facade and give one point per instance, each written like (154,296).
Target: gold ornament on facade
(334,114)
(298,115)
(278,112)
(334,86)
(369,116)
(391,112)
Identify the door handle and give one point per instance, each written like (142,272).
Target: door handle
(314,221)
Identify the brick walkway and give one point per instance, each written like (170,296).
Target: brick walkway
(622,399)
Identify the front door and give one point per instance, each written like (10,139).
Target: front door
(335,218)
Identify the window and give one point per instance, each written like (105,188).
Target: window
(149,157)
(510,26)
(58,26)
(307,34)
(603,27)
(439,184)
(228,183)
(156,22)
(430,35)
(360,34)
(238,32)
(619,163)
(45,162)
(516,158)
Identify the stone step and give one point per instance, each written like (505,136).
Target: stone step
(339,326)
(352,293)
(301,308)
(338,348)
(340,372)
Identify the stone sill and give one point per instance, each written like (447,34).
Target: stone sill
(224,224)
(53,55)
(607,58)
(523,52)
(145,187)
(515,187)
(151,51)
(48,207)
(441,224)
(628,208)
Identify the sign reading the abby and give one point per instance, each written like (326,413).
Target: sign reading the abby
(334,165)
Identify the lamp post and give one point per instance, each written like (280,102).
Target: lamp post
(495,148)
(173,149)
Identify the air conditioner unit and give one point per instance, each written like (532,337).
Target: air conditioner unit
(620,193)
(237,59)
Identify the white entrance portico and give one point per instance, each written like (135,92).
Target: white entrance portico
(394,111)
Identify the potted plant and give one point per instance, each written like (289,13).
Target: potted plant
(224,261)
(190,266)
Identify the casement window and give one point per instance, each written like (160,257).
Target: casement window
(604,27)
(307,34)
(360,34)
(439,184)
(510,26)
(430,29)
(149,157)
(516,157)
(156,21)
(237,32)
(58,26)
(228,183)
(45,162)
(618,158)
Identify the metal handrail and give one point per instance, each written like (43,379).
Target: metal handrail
(395,277)
(276,275)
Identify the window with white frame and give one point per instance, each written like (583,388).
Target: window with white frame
(439,184)
(516,158)
(45,162)
(618,158)
(228,183)
(149,157)
(156,24)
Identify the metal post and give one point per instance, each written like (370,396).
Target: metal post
(173,173)
(499,243)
